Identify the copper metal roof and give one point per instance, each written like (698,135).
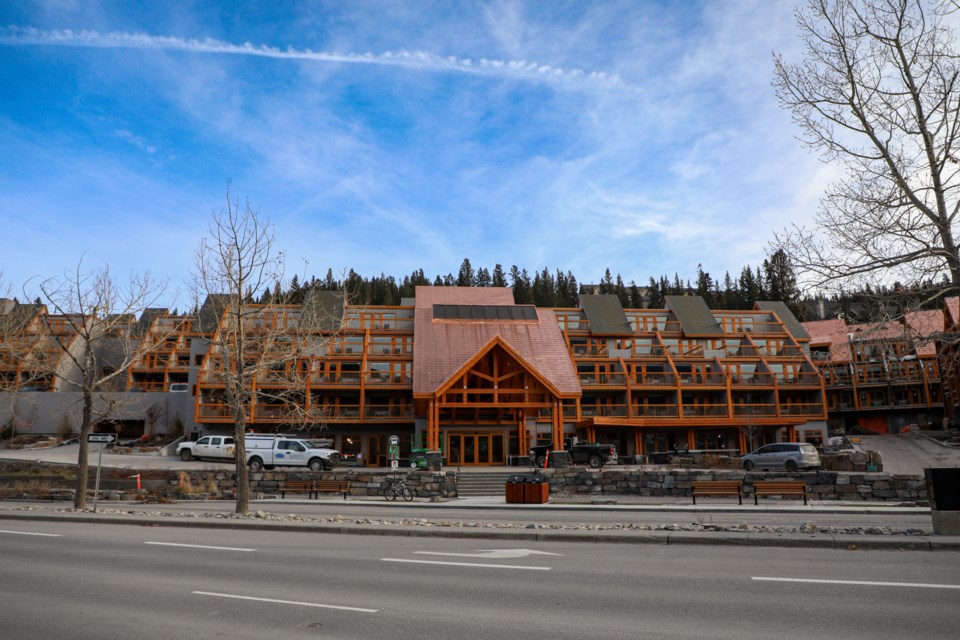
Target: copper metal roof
(442,347)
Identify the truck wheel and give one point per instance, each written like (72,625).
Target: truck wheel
(595,462)
(541,460)
(316,464)
(255,464)
(186,456)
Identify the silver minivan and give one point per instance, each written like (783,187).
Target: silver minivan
(782,455)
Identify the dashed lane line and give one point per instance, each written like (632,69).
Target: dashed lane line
(863,583)
(290,602)
(465,564)
(198,546)
(30,533)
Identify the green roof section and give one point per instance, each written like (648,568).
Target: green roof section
(322,310)
(786,316)
(694,315)
(605,314)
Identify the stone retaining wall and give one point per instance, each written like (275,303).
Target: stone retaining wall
(822,485)
(36,480)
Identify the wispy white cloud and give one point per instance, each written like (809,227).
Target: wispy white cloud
(136,141)
(419,60)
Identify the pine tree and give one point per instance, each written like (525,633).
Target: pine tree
(499,279)
(466,276)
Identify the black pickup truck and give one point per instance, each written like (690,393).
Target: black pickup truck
(593,454)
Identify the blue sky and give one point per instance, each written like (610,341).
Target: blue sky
(638,136)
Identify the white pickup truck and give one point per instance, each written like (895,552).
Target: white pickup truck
(207,447)
(265,452)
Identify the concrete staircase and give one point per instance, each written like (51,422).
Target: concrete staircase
(475,484)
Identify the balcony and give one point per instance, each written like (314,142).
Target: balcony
(343,379)
(385,411)
(376,378)
(752,379)
(702,379)
(800,380)
(599,379)
(806,409)
(341,412)
(604,410)
(655,410)
(277,413)
(655,379)
(755,410)
(705,410)
(215,411)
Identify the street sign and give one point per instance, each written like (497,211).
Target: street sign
(106,438)
(394,440)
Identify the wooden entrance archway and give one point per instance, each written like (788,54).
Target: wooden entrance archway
(495,388)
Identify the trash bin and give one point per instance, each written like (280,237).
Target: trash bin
(943,490)
(418,458)
(536,490)
(514,489)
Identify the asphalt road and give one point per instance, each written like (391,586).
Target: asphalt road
(100,582)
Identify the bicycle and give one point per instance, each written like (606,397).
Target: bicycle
(397,487)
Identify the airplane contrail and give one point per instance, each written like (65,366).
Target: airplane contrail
(421,60)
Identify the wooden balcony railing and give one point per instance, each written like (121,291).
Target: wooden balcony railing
(705,410)
(703,379)
(757,379)
(655,379)
(384,411)
(754,409)
(804,409)
(214,411)
(804,379)
(655,410)
(605,410)
(618,379)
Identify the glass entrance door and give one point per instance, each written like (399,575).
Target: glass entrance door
(475,449)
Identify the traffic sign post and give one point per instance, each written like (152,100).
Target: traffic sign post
(104,439)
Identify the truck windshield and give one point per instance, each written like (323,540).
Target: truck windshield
(316,444)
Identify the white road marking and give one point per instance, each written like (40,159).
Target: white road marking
(293,602)
(29,533)
(465,564)
(198,546)
(867,583)
(497,553)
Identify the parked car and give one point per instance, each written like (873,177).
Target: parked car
(207,447)
(782,455)
(265,452)
(593,454)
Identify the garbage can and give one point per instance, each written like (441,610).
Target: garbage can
(418,458)
(514,489)
(943,490)
(536,490)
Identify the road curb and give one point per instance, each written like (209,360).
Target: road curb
(701,538)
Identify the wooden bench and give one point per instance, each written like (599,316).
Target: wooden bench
(332,486)
(717,488)
(779,489)
(297,486)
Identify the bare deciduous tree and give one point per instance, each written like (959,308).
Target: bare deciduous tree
(84,341)
(261,351)
(877,94)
